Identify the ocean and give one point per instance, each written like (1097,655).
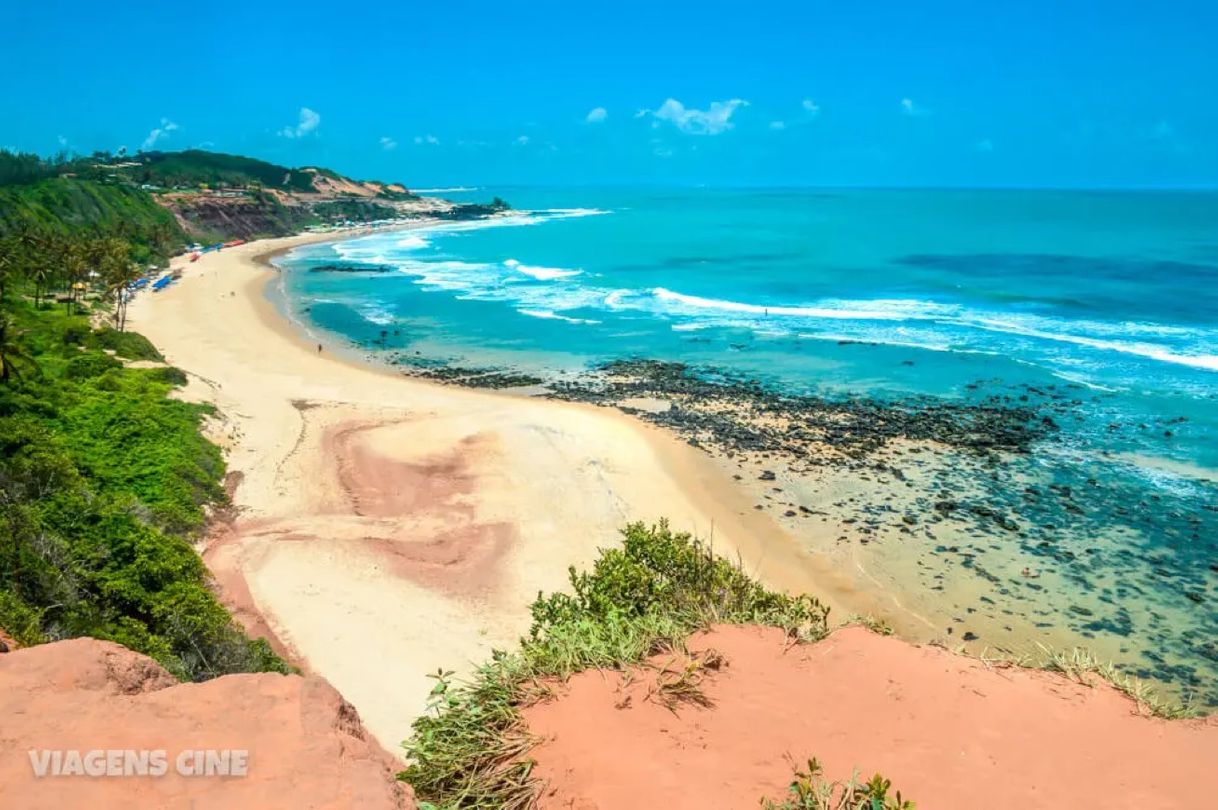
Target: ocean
(1108,300)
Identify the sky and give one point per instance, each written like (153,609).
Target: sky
(1122,93)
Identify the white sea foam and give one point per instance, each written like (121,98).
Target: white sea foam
(925,324)
(412,242)
(613,300)
(448,275)
(568,213)
(1040,328)
(884,310)
(377,314)
(554,316)
(1150,351)
(541,273)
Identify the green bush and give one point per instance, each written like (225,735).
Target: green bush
(169,375)
(649,595)
(103,485)
(130,345)
(810,790)
(89,364)
(20,620)
(76,334)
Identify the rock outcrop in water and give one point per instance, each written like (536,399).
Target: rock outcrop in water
(1013,528)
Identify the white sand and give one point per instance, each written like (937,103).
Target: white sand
(393,527)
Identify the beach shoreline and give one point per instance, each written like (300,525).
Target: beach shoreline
(374,511)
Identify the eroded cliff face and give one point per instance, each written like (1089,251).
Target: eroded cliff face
(302,745)
(204,217)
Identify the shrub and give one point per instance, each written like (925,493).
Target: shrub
(103,484)
(169,375)
(130,345)
(811,791)
(647,596)
(87,365)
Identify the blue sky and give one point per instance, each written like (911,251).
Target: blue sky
(1036,93)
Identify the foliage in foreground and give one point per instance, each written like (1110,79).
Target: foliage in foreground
(1080,665)
(641,599)
(103,482)
(811,791)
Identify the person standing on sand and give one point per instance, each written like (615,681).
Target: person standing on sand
(319,348)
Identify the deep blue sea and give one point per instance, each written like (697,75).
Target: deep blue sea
(1111,296)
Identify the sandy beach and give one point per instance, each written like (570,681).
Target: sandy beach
(384,527)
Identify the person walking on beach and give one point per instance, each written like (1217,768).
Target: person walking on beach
(319,348)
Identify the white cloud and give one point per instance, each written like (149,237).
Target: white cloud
(985,145)
(715,119)
(523,140)
(426,140)
(909,107)
(778,125)
(810,106)
(63,142)
(158,134)
(309,121)
(597,115)
(388,144)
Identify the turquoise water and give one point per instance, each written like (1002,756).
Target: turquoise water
(1110,299)
(1114,291)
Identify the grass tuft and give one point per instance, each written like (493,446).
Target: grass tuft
(875,625)
(811,791)
(679,679)
(643,599)
(1081,665)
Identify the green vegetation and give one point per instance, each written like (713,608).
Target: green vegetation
(811,791)
(64,205)
(639,600)
(475,210)
(23,167)
(196,168)
(104,479)
(1081,666)
(354,210)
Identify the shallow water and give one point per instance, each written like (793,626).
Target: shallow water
(1101,306)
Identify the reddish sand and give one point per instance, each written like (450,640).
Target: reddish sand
(307,747)
(949,731)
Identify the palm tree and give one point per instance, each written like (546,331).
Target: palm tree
(74,258)
(40,264)
(117,273)
(12,252)
(11,351)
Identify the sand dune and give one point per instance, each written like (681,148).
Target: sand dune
(950,732)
